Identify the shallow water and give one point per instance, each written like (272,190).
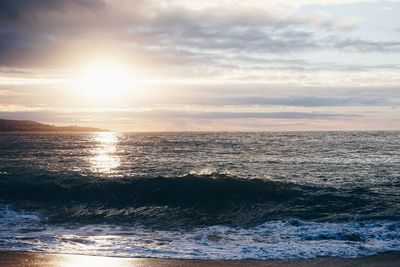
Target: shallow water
(201,195)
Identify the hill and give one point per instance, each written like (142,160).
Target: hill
(33,126)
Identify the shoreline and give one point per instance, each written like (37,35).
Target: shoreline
(36,259)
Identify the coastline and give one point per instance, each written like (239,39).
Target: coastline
(36,259)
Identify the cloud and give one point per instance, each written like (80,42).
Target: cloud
(240,115)
(21,11)
(179,33)
(163,114)
(230,98)
(206,4)
(23,47)
(217,29)
(348,23)
(305,101)
(360,45)
(249,41)
(325,20)
(246,30)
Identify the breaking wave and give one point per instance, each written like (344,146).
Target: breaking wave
(189,200)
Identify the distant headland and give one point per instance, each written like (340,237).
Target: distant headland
(33,126)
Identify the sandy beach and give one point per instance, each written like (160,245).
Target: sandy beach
(28,259)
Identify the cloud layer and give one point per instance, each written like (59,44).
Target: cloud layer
(206,60)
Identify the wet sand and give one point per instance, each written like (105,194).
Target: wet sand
(27,259)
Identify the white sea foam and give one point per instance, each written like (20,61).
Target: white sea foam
(271,240)
(9,217)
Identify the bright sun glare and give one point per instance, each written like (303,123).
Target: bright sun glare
(105,80)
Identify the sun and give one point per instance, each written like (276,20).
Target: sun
(102,80)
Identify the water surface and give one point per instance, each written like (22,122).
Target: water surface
(201,195)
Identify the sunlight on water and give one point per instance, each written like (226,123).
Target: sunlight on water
(85,261)
(105,157)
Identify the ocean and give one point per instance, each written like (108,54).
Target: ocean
(272,195)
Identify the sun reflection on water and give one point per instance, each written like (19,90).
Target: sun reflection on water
(105,158)
(87,261)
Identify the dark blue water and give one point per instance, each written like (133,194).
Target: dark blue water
(201,195)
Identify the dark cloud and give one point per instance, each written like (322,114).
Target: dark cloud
(24,47)
(23,11)
(33,33)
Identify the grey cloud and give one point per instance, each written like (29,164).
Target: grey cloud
(18,11)
(23,47)
(244,115)
(251,31)
(173,115)
(210,97)
(170,35)
(359,45)
(254,31)
(32,33)
(301,101)
(213,38)
(36,116)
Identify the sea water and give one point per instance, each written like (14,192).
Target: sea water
(273,195)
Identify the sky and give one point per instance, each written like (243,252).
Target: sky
(184,65)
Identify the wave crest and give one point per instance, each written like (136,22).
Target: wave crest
(204,198)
